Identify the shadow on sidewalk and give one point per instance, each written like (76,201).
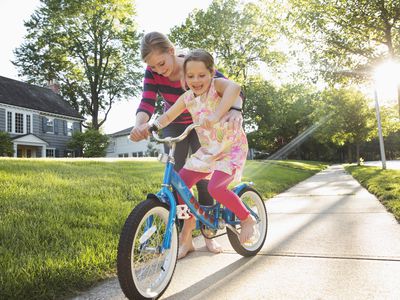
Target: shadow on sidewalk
(223,277)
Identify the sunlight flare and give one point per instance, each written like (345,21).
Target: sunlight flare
(387,78)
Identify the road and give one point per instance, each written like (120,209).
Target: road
(390,164)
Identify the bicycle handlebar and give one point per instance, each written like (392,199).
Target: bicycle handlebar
(177,139)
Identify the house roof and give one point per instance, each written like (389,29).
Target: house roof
(29,139)
(26,95)
(126,131)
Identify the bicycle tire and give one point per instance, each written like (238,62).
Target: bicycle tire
(144,273)
(253,200)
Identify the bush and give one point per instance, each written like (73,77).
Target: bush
(6,145)
(90,143)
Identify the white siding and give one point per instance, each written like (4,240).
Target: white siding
(122,146)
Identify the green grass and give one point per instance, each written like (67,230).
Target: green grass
(60,221)
(384,184)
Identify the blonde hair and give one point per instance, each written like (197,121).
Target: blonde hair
(154,41)
(200,55)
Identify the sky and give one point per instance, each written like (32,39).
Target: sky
(152,15)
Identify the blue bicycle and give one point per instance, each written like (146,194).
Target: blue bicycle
(148,245)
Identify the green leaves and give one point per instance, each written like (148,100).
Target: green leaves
(91,143)
(90,47)
(239,35)
(274,116)
(352,119)
(352,35)
(6,145)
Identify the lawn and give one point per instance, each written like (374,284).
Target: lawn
(384,184)
(60,221)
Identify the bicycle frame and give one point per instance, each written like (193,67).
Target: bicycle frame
(172,179)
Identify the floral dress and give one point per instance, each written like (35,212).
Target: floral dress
(222,149)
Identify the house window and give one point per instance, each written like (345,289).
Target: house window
(49,125)
(70,128)
(19,123)
(28,124)
(50,152)
(9,121)
(138,154)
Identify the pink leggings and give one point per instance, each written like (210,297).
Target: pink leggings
(218,189)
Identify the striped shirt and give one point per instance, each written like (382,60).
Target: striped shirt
(169,90)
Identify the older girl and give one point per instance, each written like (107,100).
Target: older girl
(163,77)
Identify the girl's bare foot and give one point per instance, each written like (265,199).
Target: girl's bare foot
(247,229)
(184,249)
(213,246)
(185,238)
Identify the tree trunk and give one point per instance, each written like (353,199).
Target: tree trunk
(95,112)
(358,153)
(349,154)
(398,97)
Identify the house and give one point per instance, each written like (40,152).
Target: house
(121,146)
(38,119)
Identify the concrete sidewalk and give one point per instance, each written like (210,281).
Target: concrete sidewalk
(328,238)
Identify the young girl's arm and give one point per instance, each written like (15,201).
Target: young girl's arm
(171,114)
(229,92)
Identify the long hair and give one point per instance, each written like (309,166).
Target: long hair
(154,41)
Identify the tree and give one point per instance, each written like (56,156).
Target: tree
(239,35)
(6,145)
(151,150)
(89,47)
(276,116)
(90,143)
(351,120)
(257,114)
(349,35)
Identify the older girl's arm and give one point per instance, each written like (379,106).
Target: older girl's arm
(171,114)
(229,92)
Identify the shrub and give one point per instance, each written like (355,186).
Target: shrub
(90,143)
(6,145)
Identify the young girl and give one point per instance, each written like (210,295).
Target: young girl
(223,150)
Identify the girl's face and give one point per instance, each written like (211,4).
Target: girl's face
(198,77)
(161,62)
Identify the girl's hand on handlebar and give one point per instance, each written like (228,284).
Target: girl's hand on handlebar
(139,133)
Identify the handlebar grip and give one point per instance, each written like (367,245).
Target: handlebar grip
(153,128)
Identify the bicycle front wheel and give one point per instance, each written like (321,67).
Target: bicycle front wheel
(254,202)
(143,271)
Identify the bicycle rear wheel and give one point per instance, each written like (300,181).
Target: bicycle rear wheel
(254,202)
(144,272)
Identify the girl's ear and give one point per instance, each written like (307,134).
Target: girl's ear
(171,51)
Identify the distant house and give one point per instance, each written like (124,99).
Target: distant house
(121,146)
(38,119)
